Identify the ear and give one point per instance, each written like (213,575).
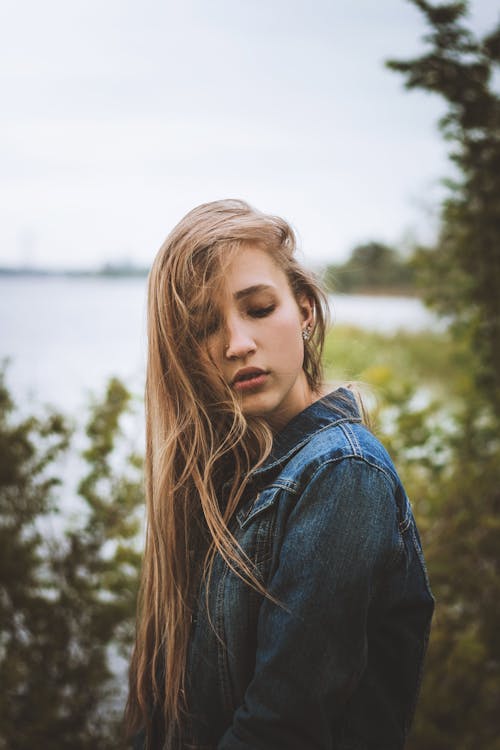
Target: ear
(306,308)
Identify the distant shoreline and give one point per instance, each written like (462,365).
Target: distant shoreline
(111,272)
(43,273)
(380,291)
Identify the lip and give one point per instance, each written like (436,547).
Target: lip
(248,378)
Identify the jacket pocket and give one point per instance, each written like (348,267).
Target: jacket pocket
(259,504)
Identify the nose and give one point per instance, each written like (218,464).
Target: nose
(240,341)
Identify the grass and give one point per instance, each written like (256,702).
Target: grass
(424,358)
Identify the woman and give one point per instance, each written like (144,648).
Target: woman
(284,599)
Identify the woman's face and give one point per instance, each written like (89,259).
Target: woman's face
(257,343)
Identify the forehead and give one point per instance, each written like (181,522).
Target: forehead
(252,266)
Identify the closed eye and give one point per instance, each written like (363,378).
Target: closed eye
(207,328)
(261,312)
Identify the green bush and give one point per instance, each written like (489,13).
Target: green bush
(67,601)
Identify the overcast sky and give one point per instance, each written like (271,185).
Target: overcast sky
(119,116)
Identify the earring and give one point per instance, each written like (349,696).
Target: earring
(306,332)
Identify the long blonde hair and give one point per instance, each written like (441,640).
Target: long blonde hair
(196,437)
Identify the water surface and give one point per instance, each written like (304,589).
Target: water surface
(66,336)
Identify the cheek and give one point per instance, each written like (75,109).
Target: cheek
(213,348)
(284,338)
(211,357)
(211,351)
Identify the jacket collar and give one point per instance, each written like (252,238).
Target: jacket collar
(338,406)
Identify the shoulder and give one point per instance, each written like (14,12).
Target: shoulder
(345,447)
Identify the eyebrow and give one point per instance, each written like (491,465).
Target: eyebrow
(252,290)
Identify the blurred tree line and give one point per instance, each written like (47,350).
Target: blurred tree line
(374,268)
(67,600)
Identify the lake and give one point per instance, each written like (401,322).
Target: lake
(66,336)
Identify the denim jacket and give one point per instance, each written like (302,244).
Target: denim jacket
(330,531)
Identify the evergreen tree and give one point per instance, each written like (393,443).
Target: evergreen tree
(462,273)
(461,692)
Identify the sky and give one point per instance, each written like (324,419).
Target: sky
(119,116)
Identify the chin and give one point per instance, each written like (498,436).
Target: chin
(256,405)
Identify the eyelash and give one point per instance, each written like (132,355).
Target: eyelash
(212,327)
(204,330)
(262,312)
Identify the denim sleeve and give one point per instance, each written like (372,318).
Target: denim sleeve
(338,539)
